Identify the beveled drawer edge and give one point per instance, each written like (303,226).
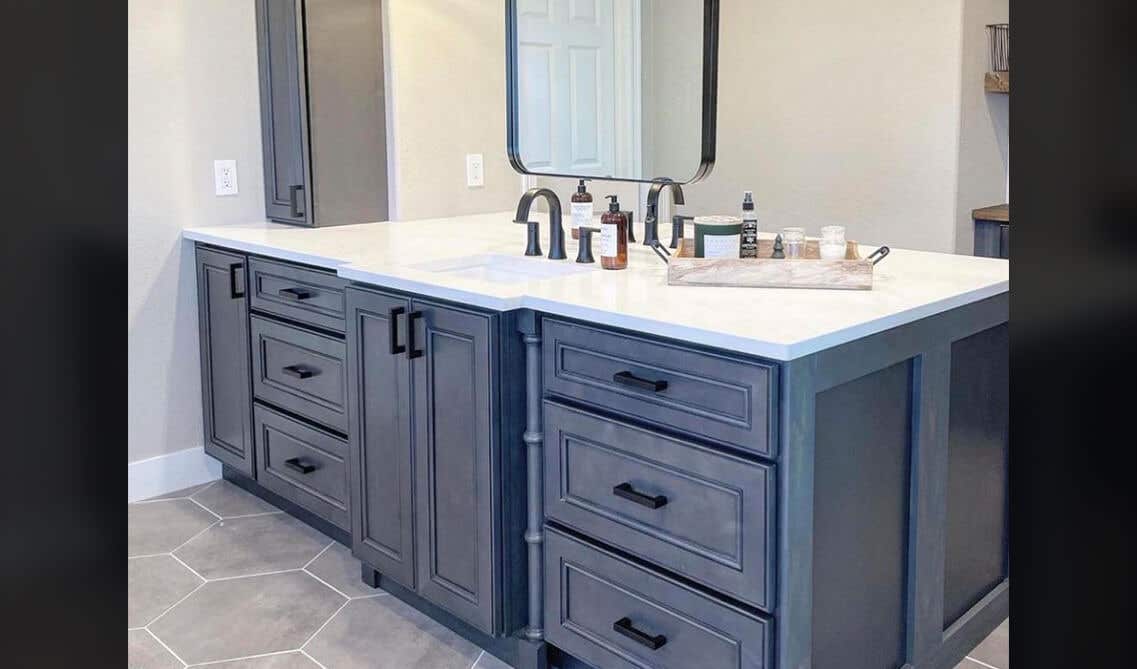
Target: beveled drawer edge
(290,390)
(292,483)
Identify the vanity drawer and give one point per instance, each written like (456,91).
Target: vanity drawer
(716,397)
(302,464)
(701,513)
(613,613)
(302,294)
(300,371)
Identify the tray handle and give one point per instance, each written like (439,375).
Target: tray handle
(882,252)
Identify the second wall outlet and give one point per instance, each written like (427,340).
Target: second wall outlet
(475,171)
(225,177)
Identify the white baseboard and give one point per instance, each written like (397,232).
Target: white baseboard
(167,473)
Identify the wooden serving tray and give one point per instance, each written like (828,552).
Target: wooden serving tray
(852,273)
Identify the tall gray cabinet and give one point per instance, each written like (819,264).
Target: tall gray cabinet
(323,119)
(223,312)
(426,452)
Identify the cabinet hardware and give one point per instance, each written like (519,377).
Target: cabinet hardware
(298,372)
(626,491)
(301,467)
(629,379)
(624,627)
(294,201)
(393,330)
(413,352)
(233,292)
(298,294)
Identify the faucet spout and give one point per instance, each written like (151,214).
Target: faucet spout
(651,219)
(556,229)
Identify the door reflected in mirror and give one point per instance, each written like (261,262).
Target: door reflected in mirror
(614,89)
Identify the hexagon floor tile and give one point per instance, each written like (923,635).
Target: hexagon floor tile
(385,633)
(184,492)
(228,500)
(154,584)
(339,569)
(144,652)
(160,527)
(253,545)
(247,616)
(282,661)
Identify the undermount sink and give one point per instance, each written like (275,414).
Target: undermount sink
(501,268)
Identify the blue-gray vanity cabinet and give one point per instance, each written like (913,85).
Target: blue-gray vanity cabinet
(223,317)
(380,451)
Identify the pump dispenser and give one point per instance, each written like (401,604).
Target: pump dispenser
(581,210)
(748,245)
(614,237)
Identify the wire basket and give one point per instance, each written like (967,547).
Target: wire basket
(999,43)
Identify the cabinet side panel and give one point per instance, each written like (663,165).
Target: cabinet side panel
(976,560)
(861,502)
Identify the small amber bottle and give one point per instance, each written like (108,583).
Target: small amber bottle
(614,237)
(581,210)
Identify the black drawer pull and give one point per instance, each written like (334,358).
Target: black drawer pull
(393,329)
(298,294)
(626,491)
(624,626)
(629,379)
(413,352)
(299,372)
(302,467)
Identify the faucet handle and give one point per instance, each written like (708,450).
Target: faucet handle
(584,251)
(533,241)
(677,223)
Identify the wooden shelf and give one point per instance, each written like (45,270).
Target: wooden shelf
(1000,213)
(997,82)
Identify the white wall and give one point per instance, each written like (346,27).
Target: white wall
(984,148)
(192,97)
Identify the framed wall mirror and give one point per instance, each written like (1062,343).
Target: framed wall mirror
(623,90)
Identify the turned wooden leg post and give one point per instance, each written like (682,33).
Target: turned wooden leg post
(534,443)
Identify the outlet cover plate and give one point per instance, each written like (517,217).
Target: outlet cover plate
(475,170)
(225,177)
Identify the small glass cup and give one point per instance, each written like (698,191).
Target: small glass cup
(793,242)
(832,244)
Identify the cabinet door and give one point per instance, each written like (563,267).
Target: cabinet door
(223,314)
(454,460)
(284,118)
(379,409)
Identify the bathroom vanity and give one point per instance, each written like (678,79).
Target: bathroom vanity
(570,465)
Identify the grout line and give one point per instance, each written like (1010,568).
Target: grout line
(334,588)
(325,550)
(318,663)
(332,617)
(263,573)
(168,649)
(477,659)
(171,608)
(148,555)
(981,663)
(192,570)
(211,526)
(207,509)
(211,484)
(245,657)
(254,515)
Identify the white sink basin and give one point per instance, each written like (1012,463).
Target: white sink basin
(501,268)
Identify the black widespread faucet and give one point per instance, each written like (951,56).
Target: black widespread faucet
(651,220)
(556,229)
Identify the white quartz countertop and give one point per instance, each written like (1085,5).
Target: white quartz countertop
(781,324)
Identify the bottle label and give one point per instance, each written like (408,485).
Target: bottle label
(608,241)
(581,214)
(721,246)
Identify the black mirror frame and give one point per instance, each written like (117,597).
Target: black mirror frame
(710,97)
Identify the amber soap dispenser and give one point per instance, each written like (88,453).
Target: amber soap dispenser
(614,237)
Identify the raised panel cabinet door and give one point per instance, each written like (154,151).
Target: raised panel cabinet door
(284,117)
(454,460)
(379,409)
(223,316)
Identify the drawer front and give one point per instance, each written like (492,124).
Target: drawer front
(302,294)
(300,371)
(615,614)
(703,514)
(724,399)
(302,464)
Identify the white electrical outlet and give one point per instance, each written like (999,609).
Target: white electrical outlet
(475,171)
(225,177)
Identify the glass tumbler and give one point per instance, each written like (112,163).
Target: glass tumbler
(793,242)
(832,244)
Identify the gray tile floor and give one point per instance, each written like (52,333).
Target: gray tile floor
(220,578)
